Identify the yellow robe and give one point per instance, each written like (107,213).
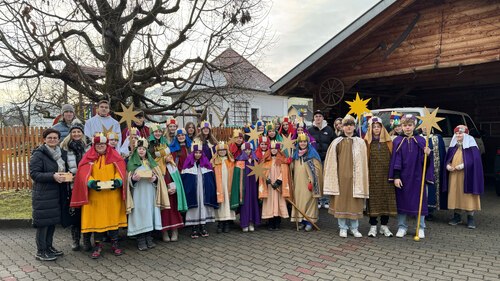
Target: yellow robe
(106,208)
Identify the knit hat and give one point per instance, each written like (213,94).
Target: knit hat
(67,107)
(76,124)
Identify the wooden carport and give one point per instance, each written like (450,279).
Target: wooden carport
(431,53)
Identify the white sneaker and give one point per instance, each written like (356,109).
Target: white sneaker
(385,230)
(356,233)
(373,231)
(421,234)
(245,229)
(251,228)
(401,233)
(319,205)
(343,233)
(308,227)
(327,206)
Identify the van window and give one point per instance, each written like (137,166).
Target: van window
(386,116)
(449,123)
(473,131)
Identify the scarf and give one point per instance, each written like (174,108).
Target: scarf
(56,155)
(302,152)
(78,149)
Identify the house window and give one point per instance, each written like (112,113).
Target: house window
(255,115)
(240,113)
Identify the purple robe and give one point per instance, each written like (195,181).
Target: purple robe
(249,209)
(473,170)
(408,159)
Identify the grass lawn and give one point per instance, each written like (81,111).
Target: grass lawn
(15,204)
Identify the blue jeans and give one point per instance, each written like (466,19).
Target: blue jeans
(343,224)
(402,221)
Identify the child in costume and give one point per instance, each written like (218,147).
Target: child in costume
(201,194)
(301,128)
(436,198)
(180,147)
(274,187)
(156,138)
(103,211)
(286,128)
(171,130)
(207,139)
(244,193)
(113,140)
(382,202)
(395,123)
(129,143)
(263,147)
(308,181)
(223,165)
(171,219)
(406,171)
(235,146)
(146,196)
(346,178)
(463,178)
(272,133)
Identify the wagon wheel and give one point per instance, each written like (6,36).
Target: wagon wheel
(331,91)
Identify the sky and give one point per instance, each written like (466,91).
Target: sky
(302,26)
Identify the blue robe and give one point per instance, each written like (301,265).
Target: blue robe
(189,180)
(407,160)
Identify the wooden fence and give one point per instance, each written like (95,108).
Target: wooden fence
(16,144)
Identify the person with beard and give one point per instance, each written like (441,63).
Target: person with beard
(103,210)
(75,144)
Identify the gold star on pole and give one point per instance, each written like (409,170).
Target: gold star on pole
(258,170)
(105,130)
(358,106)
(288,143)
(253,134)
(429,120)
(128,115)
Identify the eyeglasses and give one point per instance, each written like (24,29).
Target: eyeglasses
(52,138)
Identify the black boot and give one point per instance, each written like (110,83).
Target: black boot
(149,240)
(141,242)
(226,227)
(75,237)
(87,244)
(271,224)
(220,226)
(277,223)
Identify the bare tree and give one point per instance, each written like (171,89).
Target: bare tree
(116,49)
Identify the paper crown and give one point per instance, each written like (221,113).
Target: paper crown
(112,136)
(180,131)
(196,146)
(263,139)
(99,138)
(155,127)
(408,118)
(172,121)
(348,120)
(237,133)
(276,145)
(205,124)
(461,129)
(162,151)
(270,126)
(302,137)
(286,119)
(246,145)
(221,146)
(134,131)
(375,119)
(396,115)
(142,142)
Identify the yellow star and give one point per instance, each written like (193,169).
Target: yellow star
(288,143)
(105,130)
(258,170)
(358,106)
(429,120)
(128,115)
(254,135)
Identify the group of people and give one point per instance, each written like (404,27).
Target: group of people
(98,179)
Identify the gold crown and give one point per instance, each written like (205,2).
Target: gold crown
(302,137)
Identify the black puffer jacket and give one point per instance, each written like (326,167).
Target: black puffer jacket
(46,191)
(323,136)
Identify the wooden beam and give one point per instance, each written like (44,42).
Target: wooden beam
(398,96)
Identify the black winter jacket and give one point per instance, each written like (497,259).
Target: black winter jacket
(46,191)
(323,136)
